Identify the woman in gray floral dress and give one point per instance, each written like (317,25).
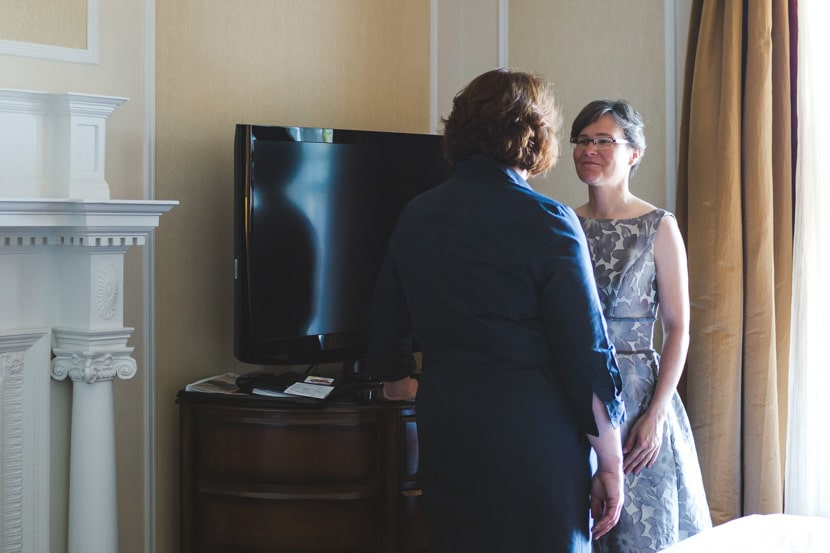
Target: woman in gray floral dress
(640,263)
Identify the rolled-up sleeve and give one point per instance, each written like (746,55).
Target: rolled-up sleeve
(584,355)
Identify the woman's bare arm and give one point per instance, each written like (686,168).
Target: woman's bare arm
(645,438)
(607,483)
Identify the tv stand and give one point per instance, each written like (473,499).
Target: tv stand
(262,475)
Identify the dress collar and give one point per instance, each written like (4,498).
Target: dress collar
(482,164)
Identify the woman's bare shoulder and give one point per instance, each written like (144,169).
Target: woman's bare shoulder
(640,207)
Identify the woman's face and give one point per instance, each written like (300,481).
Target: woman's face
(604,166)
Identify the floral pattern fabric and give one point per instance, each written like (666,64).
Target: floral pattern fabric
(665,503)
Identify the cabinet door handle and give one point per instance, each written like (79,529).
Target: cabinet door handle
(411,493)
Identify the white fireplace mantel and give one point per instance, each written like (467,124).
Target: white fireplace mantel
(61,271)
(62,247)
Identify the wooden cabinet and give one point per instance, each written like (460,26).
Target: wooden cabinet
(264,475)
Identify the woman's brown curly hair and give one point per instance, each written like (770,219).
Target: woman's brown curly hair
(510,116)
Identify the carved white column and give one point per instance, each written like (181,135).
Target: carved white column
(92,359)
(90,347)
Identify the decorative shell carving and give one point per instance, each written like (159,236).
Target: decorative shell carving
(106,291)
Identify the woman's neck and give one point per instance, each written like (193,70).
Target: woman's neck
(610,203)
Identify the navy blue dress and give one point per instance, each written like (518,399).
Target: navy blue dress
(494,282)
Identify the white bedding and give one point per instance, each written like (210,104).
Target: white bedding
(761,534)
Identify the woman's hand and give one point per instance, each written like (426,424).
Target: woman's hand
(606,500)
(400,390)
(643,442)
(607,483)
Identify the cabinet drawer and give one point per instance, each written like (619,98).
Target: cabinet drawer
(317,449)
(235,525)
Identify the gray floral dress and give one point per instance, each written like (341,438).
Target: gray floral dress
(665,503)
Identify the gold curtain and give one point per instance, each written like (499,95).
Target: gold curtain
(734,205)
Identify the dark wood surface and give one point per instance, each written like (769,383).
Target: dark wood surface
(264,475)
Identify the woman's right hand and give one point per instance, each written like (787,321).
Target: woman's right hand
(606,500)
(400,390)
(607,483)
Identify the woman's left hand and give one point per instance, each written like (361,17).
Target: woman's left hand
(643,442)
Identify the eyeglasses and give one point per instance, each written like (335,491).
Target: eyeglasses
(600,142)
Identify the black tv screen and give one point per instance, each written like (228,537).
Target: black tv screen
(313,211)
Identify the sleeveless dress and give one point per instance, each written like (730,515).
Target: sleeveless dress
(665,503)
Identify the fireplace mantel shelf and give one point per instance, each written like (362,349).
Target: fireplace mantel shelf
(28,224)
(43,213)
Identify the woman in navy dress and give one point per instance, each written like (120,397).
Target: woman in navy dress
(519,379)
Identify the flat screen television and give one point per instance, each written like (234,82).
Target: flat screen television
(313,212)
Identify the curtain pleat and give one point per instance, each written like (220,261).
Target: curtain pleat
(728,191)
(783,174)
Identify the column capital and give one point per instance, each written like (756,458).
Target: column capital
(92,356)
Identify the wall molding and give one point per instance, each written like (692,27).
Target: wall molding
(148,264)
(458,53)
(676,31)
(59,53)
(433,66)
(504,25)
(24,440)
(672,130)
